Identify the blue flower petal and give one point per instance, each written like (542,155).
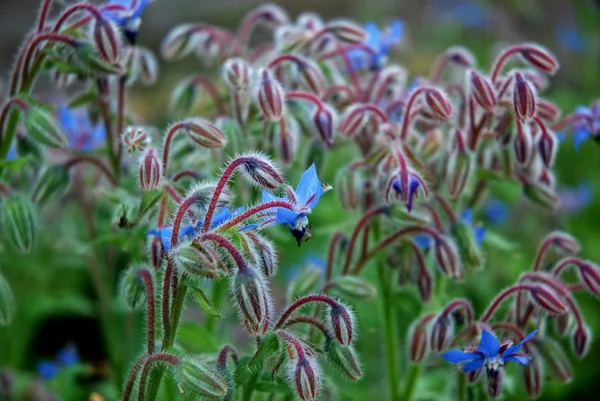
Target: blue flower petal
(579,136)
(47,370)
(496,211)
(467,215)
(68,356)
(479,233)
(165,234)
(308,186)
(489,345)
(423,241)
(268,197)
(286,216)
(458,356)
(472,365)
(395,30)
(517,347)
(373,33)
(522,359)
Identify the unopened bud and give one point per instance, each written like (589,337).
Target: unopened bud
(42,128)
(353,119)
(540,58)
(438,104)
(17,221)
(261,171)
(51,184)
(271,15)
(441,333)
(540,194)
(482,91)
(563,323)
(205,133)
(311,77)
(132,287)
(461,56)
(305,282)
(353,287)
(89,58)
(590,275)
(286,140)
(199,378)
(106,39)
(147,66)
(347,31)
(532,378)
(179,42)
(250,292)
(341,323)
(197,259)
(306,376)
(150,170)
(494,377)
(324,120)
(446,256)
(135,139)
(343,358)
(547,147)
(547,300)
(468,247)
(580,339)
(424,284)
(418,342)
(270,95)
(7,302)
(547,110)
(524,99)
(236,73)
(264,251)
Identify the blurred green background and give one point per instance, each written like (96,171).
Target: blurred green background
(570,29)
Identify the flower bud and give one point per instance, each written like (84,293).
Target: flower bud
(418,342)
(17,220)
(147,66)
(106,39)
(264,251)
(150,170)
(311,77)
(324,120)
(250,294)
(133,288)
(286,140)
(547,147)
(7,302)
(482,91)
(547,300)
(236,73)
(179,42)
(90,59)
(441,333)
(494,377)
(461,56)
(304,282)
(51,184)
(353,119)
(590,275)
(135,139)
(306,376)
(271,15)
(341,323)
(532,378)
(42,128)
(261,171)
(580,339)
(343,358)
(540,58)
(539,194)
(524,99)
(270,95)
(547,110)
(347,31)
(438,104)
(446,256)
(562,323)
(424,284)
(556,359)
(197,259)
(468,248)
(353,287)
(459,171)
(205,133)
(199,378)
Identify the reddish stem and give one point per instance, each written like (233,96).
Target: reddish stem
(303,301)
(167,143)
(459,303)
(39,38)
(229,247)
(224,353)
(350,68)
(566,262)
(310,320)
(91,9)
(253,211)
(132,376)
(363,222)
(285,57)
(149,283)
(93,160)
(407,118)
(447,209)
(502,297)
(187,173)
(306,96)
(295,343)
(568,120)
(159,357)
(501,60)
(43,15)
(339,88)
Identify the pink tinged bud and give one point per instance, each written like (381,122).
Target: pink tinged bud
(270,96)
(441,333)
(307,378)
(565,242)
(249,292)
(424,284)
(418,342)
(547,300)
(482,91)
(347,31)
(272,15)
(532,378)
(494,377)
(590,275)
(106,39)
(324,120)
(135,139)
(341,323)
(522,144)
(461,56)
(580,339)
(236,73)
(352,120)
(266,257)
(547,147)
(438,105)
(524,99)
(547,110)
(311,77)
(446,256)
(259,170)
(148,66)
(540,58)
(157,252)
(205,133)
(150,170)
(459,172)
(179,42)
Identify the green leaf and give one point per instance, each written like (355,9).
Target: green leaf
(268,347)
(82,100)
(206,304)
(277,385)
(194,337)
(16,164)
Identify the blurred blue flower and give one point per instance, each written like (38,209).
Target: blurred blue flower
(312,259)
(81,133)
(570,38)
(380,41)
(47,370)
(68,356)
(469,13)
(478,231)
(587,127)
(496,211)
(12,153)
(572,200)
(305,198)
(128,19)
(490,354)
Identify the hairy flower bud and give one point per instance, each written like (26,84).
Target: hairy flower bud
(590,275)
(446,256)
(459,171)
(7,302)
(90,59)
(547,110)
(482,91)
(311,76)
(272,15)
(341,323)
(532,378)
(271,95)
(197,259)
(141,65)
(353,287)
(424,284)
(344,359)
(251,296)
(418,342)
(353,119)
(135,139)
(547,147)
(201,379)
(547,300)
(305,374)
(150,170)
(539,58)
(580,339)
(524,99)
(236,73)
(347,31)
(562,323)
(261,171)
(106,39)
(264,251)
(461,56)
(205,133)
(42,128)
(179,42)
(304,282)
(523,145)
(17,221)
(132,287)
(441,333)
(438,104)
(324,120)
(51,184)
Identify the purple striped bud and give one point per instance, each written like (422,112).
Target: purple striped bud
(418,341)
(524,99)
(251,296)
(562,323)
(286,140)
(236,73)
(135,139)
(547,110)
(494,377)
(271,15)
(564,242)
(205,133)
(343,358)
(270,95)
(438,104)
(547,147)
(51,184)
(306,376)
(547,300)
(107,40)
(482,91)
(264,252)
(311,76)
(353,287)
(390,82)
(341,323)
(353,119)
(532,378)
(424,284)
(441,333)
(540,58)
(179,42)
(580,339)
(259,170)
(199,378)
(590,275)
(142,66)
(522,145)
(324,120)
(538,193)
(461,56)
(446,256)
(347,31)
(150,170)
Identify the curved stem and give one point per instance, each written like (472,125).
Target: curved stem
(187,173)
(310,320)
(159,357)
(167,143)
(93,160)
(501,60)
(459,303)
(91,9)
(253,211)
(502,297)
(135,369)
(303,301)
(306,96)
(564,263)
(229,247)
(224,353)
(333,245)
(364,220)
(406,118)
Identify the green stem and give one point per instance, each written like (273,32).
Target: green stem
(462,386)
(217,296)
(411,382)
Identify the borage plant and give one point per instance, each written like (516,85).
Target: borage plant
(413,160)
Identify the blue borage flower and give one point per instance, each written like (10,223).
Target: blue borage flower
(424,241)
(65,357)
(496,211)
(572,200)
(490,355)
(582,128)
(570,38)
(165,233)
(82,134)
(129,19)
(380,41)
(304,198)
